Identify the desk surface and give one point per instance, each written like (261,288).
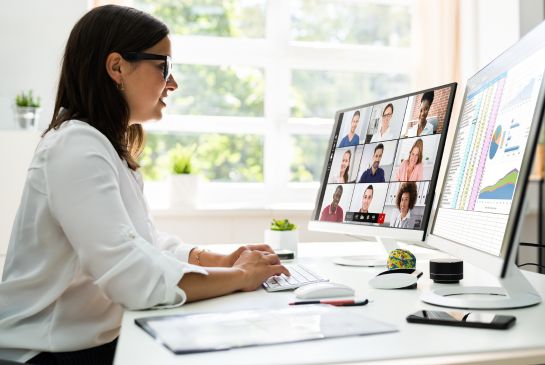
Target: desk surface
(413,344)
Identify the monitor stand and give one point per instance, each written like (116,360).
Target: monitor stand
(515,292)
(389,244)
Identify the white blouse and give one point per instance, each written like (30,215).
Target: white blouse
(82,248)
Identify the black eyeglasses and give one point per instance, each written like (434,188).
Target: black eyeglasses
(139,56)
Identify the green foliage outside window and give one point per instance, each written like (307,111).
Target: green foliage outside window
(309,157)
(220,18)
(351,22)
(239,91)
(322,93)
(218,90)
(217,157)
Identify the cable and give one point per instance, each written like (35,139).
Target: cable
(531,264)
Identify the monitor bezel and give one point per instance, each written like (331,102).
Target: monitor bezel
(498,265)
(369,230)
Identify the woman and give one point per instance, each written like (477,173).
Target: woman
(344,171)
(421,127)
(411,169)
(83,247)
(384,133)
(405,201)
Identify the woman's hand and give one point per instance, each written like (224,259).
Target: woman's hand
(212,259)
(257,266)
(229,260)
(250,269)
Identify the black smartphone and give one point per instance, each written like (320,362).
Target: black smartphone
(463,319)
(285,254)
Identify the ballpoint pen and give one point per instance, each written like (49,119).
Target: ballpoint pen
(335,302)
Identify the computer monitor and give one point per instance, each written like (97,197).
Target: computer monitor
(481,203)
(381,169)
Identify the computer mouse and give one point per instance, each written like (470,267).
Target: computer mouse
(323,290)
(396,279)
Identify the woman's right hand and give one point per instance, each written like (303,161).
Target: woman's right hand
(258,266)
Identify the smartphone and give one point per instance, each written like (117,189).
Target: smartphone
(285,254)
(463,319)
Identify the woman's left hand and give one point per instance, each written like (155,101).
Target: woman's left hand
(229,260)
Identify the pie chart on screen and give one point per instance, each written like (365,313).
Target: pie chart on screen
(495,143)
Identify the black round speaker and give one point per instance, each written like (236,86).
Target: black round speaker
(446,270)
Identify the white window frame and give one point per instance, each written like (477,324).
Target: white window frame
(277,55)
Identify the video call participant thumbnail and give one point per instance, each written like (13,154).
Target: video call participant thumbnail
(374,174)
(333,212)
(386,120)
(411,169)
(421,127)
(366,199)
(352,139)
(405,202)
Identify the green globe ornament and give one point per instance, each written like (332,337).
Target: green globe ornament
(401,259)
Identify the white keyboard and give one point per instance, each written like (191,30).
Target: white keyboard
(300,276)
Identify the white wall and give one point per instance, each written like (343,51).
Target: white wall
(33,34)
(32,37)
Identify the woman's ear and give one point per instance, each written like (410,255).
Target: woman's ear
(114,67)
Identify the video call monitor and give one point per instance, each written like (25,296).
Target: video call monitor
(481,203)
(382,165)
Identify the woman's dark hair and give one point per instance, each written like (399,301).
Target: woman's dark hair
(389,105)
(408,187)
(86,91)
(429,96)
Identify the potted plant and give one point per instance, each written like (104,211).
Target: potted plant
(184,185)
(282,234)
(27,109)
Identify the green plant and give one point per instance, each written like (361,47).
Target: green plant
(282,225)
(27,100)
(180,159)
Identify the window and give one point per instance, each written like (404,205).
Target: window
(259,84)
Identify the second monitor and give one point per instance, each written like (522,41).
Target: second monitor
(381,168)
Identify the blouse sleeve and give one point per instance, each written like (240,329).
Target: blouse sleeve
(174,245)
(85,198)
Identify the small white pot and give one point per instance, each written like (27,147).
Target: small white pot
(184,190)
(282,239)
(27,117)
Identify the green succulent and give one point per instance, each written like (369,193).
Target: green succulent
(282,225)
(180,159)
(27,100)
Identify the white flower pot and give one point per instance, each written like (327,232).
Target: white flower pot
(27,117)
(282,239)
(184,190)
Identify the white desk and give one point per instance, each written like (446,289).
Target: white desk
(413,344)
